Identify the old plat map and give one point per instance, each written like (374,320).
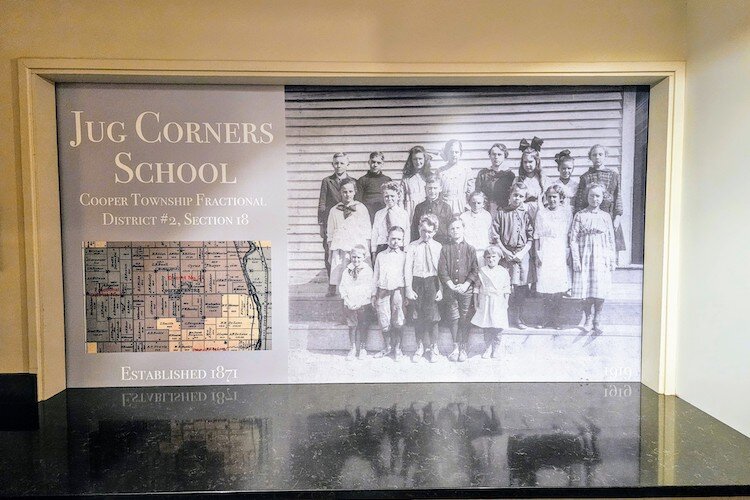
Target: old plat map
(168,296)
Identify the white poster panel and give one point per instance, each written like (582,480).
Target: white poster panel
(173,225)
(245,234)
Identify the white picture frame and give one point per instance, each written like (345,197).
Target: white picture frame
(45,334)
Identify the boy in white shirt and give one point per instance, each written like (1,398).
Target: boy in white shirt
(388,293)
(392,215)
(423,287)
(477,224)
(348,225)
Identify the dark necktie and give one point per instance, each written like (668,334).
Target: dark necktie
(347,210)
(428,257)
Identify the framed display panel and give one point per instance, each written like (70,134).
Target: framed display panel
(41,186)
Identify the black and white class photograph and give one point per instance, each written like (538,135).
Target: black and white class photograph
(466,233)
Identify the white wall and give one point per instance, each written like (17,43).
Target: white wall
(714,343)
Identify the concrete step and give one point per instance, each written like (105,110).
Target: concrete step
(318,284)
(631,274)
(620,291)
(625,310)
(324,336)
(523,358)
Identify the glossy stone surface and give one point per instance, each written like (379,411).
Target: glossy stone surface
(571,439)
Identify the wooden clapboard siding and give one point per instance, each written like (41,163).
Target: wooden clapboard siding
(323,120)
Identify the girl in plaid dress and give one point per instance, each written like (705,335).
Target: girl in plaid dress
(610,181)
(592,249)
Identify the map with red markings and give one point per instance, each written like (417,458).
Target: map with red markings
(176,296)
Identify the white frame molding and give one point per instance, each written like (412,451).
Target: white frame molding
(43,250)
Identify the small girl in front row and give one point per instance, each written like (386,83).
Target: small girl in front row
(356,290)
(592,249)
(551,227)
(492,301)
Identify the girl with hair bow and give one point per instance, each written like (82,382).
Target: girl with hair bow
(565,165)
(530,173)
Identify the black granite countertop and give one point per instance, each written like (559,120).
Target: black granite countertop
(368,440)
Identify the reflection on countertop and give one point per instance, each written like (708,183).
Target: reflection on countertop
(444,447)
(390,437)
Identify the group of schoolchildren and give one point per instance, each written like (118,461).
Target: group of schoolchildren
(478,244)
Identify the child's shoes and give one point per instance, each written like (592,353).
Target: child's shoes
(398,355)
(352,354)
(362,353)
(435,355)
(385,352)
(417,356)
(487,354)
(588,324)
(462,356)
(496,350)
(420,350)
(453,356)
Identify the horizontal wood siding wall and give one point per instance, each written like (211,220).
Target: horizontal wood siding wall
(323,120)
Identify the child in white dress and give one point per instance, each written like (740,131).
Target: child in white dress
(492,301)
(356,290)
(551,227)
